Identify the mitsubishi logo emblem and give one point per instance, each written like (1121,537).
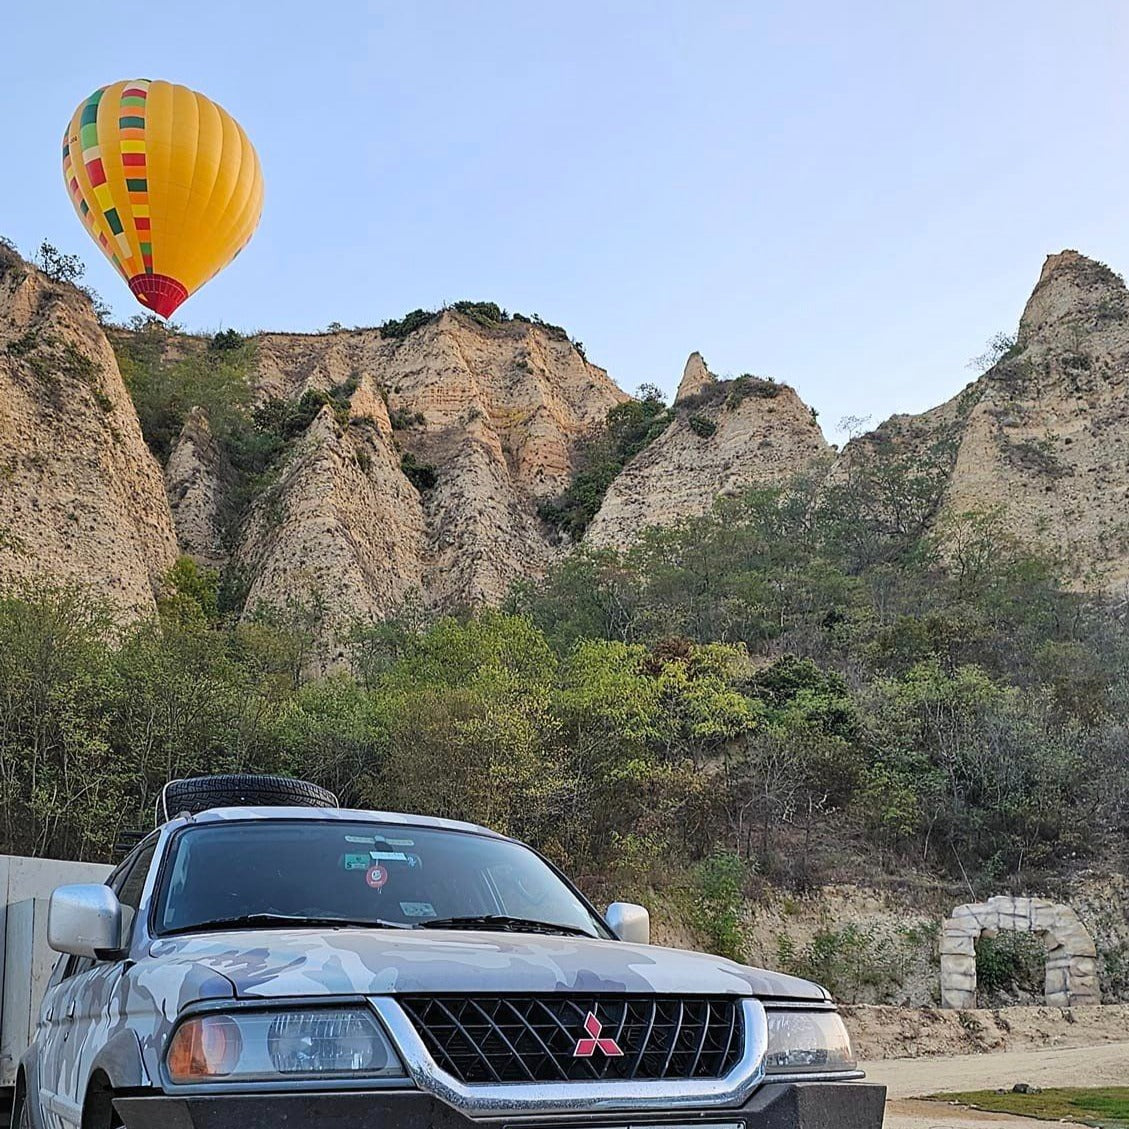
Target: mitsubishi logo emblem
(587,1047)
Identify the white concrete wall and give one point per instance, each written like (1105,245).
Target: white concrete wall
(25,959)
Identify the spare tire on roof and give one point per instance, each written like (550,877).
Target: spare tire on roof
(237,790)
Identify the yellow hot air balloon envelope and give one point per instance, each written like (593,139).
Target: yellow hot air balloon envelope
(167,183)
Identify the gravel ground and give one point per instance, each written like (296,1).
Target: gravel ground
(909,1079)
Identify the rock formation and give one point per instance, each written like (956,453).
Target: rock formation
(418,471)
(485,418)
(1043,435)
(195,480)
(726,436)
(81,498)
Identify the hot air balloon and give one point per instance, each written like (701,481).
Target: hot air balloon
(167,183)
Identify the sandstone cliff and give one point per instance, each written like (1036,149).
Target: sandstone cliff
(1043,435)
(418,470)
(726,436)
(196,480)
(424,485)
(81,498)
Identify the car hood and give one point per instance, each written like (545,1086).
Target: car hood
(312,962)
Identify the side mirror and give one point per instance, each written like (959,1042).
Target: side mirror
(85,921)
(629,922)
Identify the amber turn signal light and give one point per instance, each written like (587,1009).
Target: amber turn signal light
(204,1048)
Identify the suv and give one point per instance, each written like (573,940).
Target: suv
(255,965)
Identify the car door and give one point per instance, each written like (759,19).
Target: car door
(53,1035)
(82,1014)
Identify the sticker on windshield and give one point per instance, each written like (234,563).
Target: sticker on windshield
(357,862)
(388,856)
(400,842)
(417,909)
(359,839)
(376,876)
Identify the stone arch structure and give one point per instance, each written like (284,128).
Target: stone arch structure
(1072,975)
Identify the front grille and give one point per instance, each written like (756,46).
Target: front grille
(536,1038)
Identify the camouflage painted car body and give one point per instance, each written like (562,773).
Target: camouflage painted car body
(112,1021)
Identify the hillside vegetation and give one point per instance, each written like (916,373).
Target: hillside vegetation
(801,686)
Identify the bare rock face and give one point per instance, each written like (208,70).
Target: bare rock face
(695,377)
(341,531)
(429,488)
(194,478)
(726,436)
(1043,435)
(81,497)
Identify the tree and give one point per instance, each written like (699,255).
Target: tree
(58,266)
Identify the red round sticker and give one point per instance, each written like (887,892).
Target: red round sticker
(376,876)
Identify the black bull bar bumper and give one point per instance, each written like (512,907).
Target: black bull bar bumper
(779,1105)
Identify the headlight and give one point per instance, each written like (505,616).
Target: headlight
(807,1042)
(269,1046)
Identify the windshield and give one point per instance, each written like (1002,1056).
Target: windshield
(362,873)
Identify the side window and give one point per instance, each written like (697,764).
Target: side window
(130,884)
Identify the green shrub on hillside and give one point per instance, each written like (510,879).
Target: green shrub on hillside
(628,429)
(702,425)
(747,385)
(719,898)
(423,476)
(167,377)
(399,328)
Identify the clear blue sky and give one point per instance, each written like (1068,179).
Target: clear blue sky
(851,197)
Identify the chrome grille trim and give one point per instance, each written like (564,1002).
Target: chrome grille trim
(506,1098)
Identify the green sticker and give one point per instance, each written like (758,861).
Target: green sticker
(357,862)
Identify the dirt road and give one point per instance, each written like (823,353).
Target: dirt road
(907,1079)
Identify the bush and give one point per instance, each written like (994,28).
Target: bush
(748,385)
(165,384)
(719,890)
(855,963)
(399,328)
(487,314)
(1010,967)
(629,428)
(402,419)
(702,426)
(423,476)
(227,339)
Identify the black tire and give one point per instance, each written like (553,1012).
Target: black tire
(21,1115)
(199,793)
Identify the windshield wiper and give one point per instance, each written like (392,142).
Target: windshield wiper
(503,923)
(282,920)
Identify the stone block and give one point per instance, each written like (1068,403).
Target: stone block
(958,965)
(984,916)
(958,981)
(1077,942)
(1065,918)
(1084,999)
(1056,981)
(957,998)
(958,944)
(967,925)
